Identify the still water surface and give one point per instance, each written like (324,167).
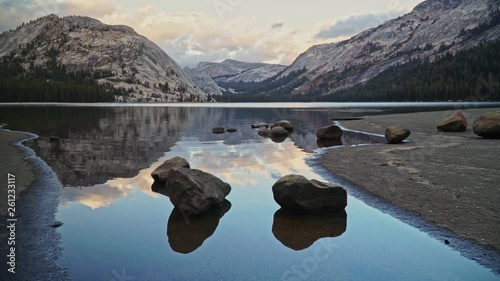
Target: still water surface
(117,225)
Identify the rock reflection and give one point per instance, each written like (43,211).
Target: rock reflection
(328,142)
(187,233)
(299,231)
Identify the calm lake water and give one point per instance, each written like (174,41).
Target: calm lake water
(117,224)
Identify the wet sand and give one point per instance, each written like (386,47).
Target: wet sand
(37,197)
(13,162)
(451,180)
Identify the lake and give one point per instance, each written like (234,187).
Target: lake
(117,224)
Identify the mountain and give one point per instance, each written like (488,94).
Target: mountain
(433,29)
(211,76)
(113,55)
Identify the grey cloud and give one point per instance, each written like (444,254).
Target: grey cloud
(14,12)
(353,25)
(277,25)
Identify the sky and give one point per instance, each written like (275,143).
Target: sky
(272,31)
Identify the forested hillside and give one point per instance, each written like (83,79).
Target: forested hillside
(51,84)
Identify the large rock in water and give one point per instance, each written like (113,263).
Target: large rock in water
(287,125)
(295,192)
(330,132)
(160,173)
(456,122)
(278,134)
(488,125)
(396,134)
(194,192)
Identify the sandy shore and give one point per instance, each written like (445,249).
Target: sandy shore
(449,179)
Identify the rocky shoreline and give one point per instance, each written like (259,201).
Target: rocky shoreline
(37,241)
(447,179)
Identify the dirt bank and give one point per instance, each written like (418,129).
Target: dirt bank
(449,179)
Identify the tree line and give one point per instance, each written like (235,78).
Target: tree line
(52,84)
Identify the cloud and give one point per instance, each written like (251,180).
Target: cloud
(354,24)
(188,37)
(191,37)
(15,12)
(277,25)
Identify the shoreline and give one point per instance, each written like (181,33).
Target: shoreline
(37,242)
(443,183)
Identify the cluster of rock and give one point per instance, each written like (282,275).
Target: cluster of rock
(486,126)
(278,132)
(191,191)
(332,135)
(196,192)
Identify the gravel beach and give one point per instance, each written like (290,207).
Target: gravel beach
(449,179)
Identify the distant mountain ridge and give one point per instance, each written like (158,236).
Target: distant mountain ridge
(210,75)
(434,28)
(113,54)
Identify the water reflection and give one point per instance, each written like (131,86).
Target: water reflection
(299,231)
(97,144)
(187,233)
(328,143)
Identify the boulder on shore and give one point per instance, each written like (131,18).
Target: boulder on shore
(488,125)
(194,191)
(456,122)
(396,134)
(330,132)
(160,173)
(287,125)
(296,193)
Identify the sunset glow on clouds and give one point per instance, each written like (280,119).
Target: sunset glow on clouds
(214,30)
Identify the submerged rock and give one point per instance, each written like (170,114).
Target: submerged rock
(160,173)
(488,125)
(57,224)
(330,132)
(218,130)
(194,191)
(396,134)
(295,192)
(287,125)
(259,125)
(300,231)
(187,233)
(264,132)
(456,122)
